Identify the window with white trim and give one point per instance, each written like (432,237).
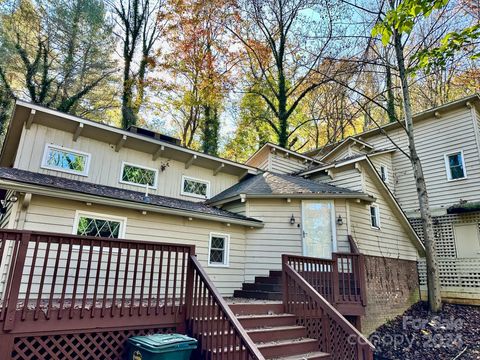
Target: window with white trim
(99,225)
(66,160)
(455,166)
(139,175)
(218,250)
(384,173)
(195,187)
(375,216)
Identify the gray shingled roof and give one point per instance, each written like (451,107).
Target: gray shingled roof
(270,183)
(114,193)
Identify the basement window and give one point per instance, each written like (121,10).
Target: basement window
(455,166)
(375,216)
(99,225)
(139,175)
(195,187)
(65,160)
(218,250)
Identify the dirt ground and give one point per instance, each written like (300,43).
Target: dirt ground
(452,334)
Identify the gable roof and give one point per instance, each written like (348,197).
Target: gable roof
(16,179)
(452,105)
(28,113)
(347,142)
(344,161)
(282,185)
(269,147)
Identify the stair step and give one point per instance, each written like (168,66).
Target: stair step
(275,273)
(268,279)
(261,295)
(262,287)
(267,334)
(288,347)
(308,356)
(256,309)
(257,321)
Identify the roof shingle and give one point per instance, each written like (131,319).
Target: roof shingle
(114,193)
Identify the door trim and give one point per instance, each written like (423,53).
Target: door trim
(332,221)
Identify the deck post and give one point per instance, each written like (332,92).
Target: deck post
(335,280)
(285,283)
(13,290)
(363,281)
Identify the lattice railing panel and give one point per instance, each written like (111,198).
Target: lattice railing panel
(89,346)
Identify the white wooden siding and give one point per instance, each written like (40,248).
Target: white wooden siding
(435,137)
(55,215)
(105,166)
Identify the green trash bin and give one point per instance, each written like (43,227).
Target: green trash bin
(160,347)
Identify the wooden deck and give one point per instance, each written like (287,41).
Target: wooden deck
(71,297)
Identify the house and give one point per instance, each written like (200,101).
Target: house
(109,232)
(448,144)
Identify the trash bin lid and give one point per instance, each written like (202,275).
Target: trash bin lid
(159,343)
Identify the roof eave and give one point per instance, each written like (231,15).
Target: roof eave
(71,195)
(364,197)
(246,169)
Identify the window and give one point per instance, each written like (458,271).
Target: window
(384,173)
(99,225)
(218,249)
(375,216)
(195,187)
(455,165)
(139,175)
(66,160)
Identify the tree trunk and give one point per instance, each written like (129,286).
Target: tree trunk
(282,111)
(392,117)
(433,278)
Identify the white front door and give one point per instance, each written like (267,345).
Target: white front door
(318,225)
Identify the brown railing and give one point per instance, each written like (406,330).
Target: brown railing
(210,320)
(335,334)
(56,282)
(340,280)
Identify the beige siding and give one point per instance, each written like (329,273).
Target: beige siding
(386,161)
(346,176)
(105,166)
(392,239)
(236,207)
(49,214)
(434,138)
(264,247)
(285,165)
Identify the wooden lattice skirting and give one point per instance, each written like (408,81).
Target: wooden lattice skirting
(105,345)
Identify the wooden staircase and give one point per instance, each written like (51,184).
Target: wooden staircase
(275,333)
(264,288)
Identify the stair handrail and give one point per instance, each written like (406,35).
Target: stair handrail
(364,346)
(195,266)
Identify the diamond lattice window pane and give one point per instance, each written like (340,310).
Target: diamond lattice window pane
(66,160)
(97,227)
(139,175)
(218,243)
(195,187)
(216,256)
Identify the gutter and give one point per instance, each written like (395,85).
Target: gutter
(364,197)
(82,197)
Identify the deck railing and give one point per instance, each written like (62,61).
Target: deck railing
(335,334)
(210,320)
(341,280)
(82,290)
